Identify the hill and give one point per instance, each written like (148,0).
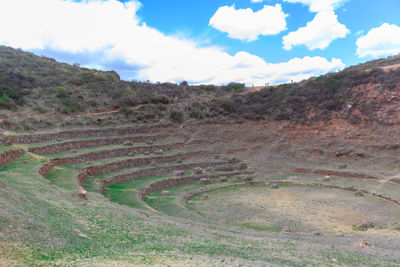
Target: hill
(299,174)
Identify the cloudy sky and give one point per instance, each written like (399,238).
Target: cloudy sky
(208,41)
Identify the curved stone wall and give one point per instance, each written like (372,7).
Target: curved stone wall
(103,154)
(45,137)
(71,145)
(123,178)
(166,183)
(129,163)
(8,156)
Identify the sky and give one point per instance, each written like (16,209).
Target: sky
(255,42)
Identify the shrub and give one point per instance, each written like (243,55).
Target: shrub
(176,116)
(210,87)
(61,92)
(237,87)
(6,102)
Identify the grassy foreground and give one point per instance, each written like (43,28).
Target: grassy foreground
(43,224)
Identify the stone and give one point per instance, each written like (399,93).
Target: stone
(342,166)
(316,233)
(204,197)
(159,152)
(147,153)
(246,179)
(326,178)
(74,151)
(205,181)
(275,186)
(149,142)
(358,194)
(217,156)
(132,154)
(128,143)
(287,229)
(198,170)
(242,166)
(179,161)
(225,168)
(363,244)
(164,192)
(223,180)
(233,160)
(178,173)
(367,225)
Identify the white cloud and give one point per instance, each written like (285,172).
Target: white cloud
(257,1)
(247,25)
(318,33)
(380,41)
(319,5)
(109,32)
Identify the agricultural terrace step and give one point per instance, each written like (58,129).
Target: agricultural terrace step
(103,154)
(44,137)
(123,178)
(72,145)
(124,164)
(282,182)
(8,156)
(338,174)
(167,183)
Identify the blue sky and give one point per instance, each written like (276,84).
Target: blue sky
(250,41)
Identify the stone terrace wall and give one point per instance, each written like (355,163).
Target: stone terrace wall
(71,145)
(45,137)
(129,163)
(103,154)
(7,156)
(123,178)
(166,183)
(338,174)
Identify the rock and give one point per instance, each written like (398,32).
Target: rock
(149,142)
(223,180)
(178,173)
(358,194)
(363,244)
(128,143)
(316,233)
(342,166)
(224,168)
(233,160)
(179,161)
(164,192)
(132,154)
(275,186)
(74,151)
(159,152)
(25,161)
(217,156)
(198,170)
(340,234)
(204,197)
(326,178)
(367,225)
(242,166)
(287,229)
(205,181)
(246,179)
(147,153)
